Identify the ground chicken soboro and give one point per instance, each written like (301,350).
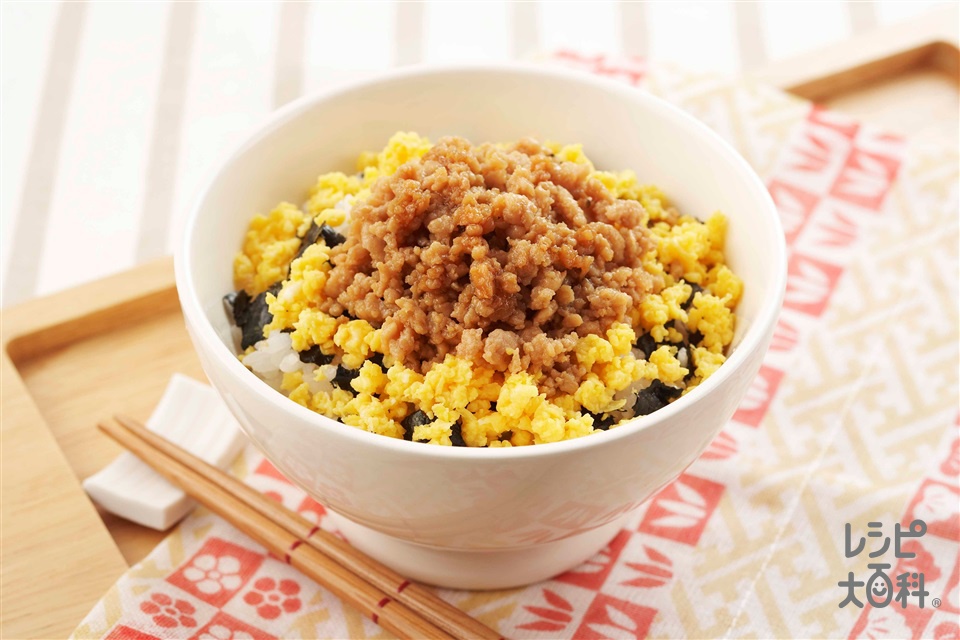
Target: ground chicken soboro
(497,295)
(503,256)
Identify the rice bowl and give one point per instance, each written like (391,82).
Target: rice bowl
(476,517)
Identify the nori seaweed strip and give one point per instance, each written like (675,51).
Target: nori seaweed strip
(602,422)
(646,344)
(241,307)
(416,419)
(664,392)
(314,355)
(330,236)
(258,316)
(309,239)
(691,339)
(647,403)
(691,366)
(694,288)
(344,377)
(456,438)
(656,396)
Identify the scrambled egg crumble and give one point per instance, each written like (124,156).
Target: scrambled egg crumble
(337,365)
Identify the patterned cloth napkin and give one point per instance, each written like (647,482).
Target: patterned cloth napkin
(852,420)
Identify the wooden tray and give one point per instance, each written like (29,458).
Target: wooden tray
(110,346)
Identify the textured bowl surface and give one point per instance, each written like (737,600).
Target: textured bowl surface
(478,517)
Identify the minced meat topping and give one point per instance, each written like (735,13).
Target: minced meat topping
(500,255)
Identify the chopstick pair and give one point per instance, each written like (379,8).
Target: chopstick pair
(400,606)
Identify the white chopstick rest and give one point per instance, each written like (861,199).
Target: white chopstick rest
(191,415)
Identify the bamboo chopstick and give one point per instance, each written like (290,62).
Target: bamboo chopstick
(367,599)
(243,506)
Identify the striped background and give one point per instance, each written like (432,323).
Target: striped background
(113,113)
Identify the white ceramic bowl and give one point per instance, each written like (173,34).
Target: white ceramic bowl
(479,518)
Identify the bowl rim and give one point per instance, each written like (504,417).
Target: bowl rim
(752,340)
